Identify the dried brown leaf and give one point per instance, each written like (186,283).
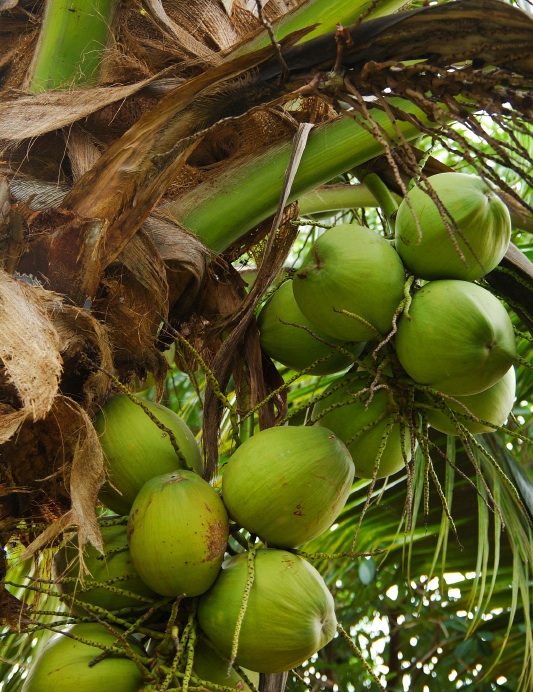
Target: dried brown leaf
(27,116)
(29,345)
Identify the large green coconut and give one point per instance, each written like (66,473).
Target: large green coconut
(288,484)
(63,664)
(350,268)
(476,216)
(177,533)
(458,338)
(290,613)
(210,666)
(361,425)
(137,450)
(493,405)
(280,325)
(114,566)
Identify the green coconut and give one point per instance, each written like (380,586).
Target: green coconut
(290,613)
(361,425)
(288,484)
(282,338)
(350,268)
(113,567)
(210,666)
(457,339)
(177,533)
(479,221)
(137,450)
(63,664)
(493,405)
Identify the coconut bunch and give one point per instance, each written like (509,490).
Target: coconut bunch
(427,340)
(175,537)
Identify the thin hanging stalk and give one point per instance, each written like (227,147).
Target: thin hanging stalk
(72,41)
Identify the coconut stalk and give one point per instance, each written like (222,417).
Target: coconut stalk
(72,41)
(332,149)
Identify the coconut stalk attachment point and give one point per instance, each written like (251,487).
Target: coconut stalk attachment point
(290,613)
(64,663)
(366,423)
(288,484)
(136,449)
(473,215)
(178,530)
(350,269)
(287,336)
(458,338)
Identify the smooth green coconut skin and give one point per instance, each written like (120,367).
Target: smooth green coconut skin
(288,484)
(137,450)
(492,405)
(295,347)
(348,415)
(63,664)
(210,666)
(290,613)
(113,566)
(458,338)
(483,229)
(177,533)
(351,268)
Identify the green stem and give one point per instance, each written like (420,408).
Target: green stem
(247,191)
(326,14)
(384,196)
(73,38)
(336,197)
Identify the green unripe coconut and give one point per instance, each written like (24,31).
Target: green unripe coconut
(210,666)
(114,566)
(350,268)
(63,664)
(483,229)
(293,346)
(177,533)
(458,338)
(290,613)
(137,450)
(287,485)
(349,414)
(492,405)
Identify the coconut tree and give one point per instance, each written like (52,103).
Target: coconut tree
(148,152)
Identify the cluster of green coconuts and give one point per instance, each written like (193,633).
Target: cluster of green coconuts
(450,357)
(453,349)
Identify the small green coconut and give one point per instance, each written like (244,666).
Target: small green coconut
(354,269)
(361,421)
(63,664)
(178,529)
(283,337)
(137,450)
(288,484)
(113,567)
(290,613)
(482,229)
(493,405)
(457,339)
